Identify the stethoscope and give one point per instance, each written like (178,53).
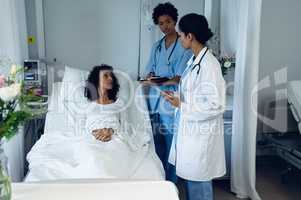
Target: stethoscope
(194,66)
(199,63)
(158,49)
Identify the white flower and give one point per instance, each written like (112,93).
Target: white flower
(10,92)
(13,70)
(227,64)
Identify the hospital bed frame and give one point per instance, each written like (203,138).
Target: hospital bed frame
(288,147)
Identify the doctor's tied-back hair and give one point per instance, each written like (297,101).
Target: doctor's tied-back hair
(197,25)
(92,83)
(165,9)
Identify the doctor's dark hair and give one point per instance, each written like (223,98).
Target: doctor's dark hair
(92,83)
(165,9)
(197,25)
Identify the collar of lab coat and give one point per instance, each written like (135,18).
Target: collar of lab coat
(196,60)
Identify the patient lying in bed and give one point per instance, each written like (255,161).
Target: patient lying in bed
(107,149)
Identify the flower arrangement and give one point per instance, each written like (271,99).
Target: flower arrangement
(14,110)
(227,63)
(13,103)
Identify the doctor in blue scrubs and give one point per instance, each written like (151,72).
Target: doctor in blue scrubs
(168,59)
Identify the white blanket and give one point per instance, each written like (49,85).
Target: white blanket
(58,156)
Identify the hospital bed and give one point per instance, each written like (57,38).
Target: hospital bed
(148,166)
(288,145)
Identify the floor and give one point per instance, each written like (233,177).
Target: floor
(269,183)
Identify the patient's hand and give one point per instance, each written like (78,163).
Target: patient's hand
(104,134)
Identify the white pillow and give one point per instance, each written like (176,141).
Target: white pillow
(73,84)
(57,119)
(72,98)
(127,89)
(54,101)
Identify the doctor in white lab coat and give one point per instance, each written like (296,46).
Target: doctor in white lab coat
(198,147)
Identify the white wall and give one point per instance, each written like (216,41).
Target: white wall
(13,45)
(280,46)
(85,33)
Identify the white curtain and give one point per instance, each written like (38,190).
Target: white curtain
(13,46)
(243,172)
(229,22)
(212,13)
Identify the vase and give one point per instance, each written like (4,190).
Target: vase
(5,183)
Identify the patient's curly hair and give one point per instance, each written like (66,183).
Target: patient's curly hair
(165,9)
(92,83)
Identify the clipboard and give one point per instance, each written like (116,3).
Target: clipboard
(158,79)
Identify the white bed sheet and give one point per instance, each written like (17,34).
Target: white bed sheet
(149,168)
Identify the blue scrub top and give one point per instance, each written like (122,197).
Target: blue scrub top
(161,66)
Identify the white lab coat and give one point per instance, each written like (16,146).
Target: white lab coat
(198,148)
